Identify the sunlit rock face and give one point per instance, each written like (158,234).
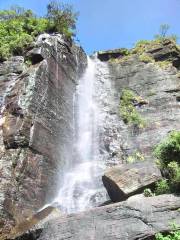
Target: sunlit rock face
(159,88)
(36,124)
(125,180)
(37,134)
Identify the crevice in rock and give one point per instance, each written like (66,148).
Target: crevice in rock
(178,98)
(36,58)
(173,90)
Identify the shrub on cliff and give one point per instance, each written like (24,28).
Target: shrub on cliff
(19,27)
(168,155)
(172,236)
(128,102)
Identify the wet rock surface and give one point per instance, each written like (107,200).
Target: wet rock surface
(129,179)
(137,218)
(36,121)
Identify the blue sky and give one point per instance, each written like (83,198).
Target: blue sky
(108,24)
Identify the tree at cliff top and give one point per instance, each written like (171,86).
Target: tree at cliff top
(61,18)
(19,26)
(163,33)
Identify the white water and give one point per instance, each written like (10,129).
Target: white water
(82,185)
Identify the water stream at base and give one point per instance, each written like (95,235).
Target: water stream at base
(82,185)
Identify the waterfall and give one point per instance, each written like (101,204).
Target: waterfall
(82,187)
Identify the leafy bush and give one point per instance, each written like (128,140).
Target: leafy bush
(169,149)
(128,110)
(174,235)
(168,154)
(162,187)
(19,27)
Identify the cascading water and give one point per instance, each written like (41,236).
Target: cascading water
(82,186)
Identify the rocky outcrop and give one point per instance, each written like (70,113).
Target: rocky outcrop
(36,120)
(129,179)
(166,51)
(158,86)
(138,218)
(112,54)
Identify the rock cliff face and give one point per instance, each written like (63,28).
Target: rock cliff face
(37,129)
(157,86)
(36,124)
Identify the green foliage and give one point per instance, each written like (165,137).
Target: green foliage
(146,58)
(169,149)
(162,187)
(168,155)
(144,45)
(61,18)
(174,175)
(164,64)
(173,235)
(148,192)
(19,27)
(128,110)
(135,157)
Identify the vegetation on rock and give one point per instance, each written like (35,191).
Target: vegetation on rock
(128,102)
(144,45)
(164,64)
(19,27)
(146,58)
(148,193)
(168,155)
(174,235)
(162,187)
(135,157)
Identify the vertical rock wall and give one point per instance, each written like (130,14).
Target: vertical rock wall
(157,86)
(36,124)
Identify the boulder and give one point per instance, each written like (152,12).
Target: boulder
(135,219)
(128,179)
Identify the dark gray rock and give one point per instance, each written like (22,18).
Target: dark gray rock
(12,65)
(111,54)
(166,50)
(135,219)
(158,87)
(129,179)
(37,129)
